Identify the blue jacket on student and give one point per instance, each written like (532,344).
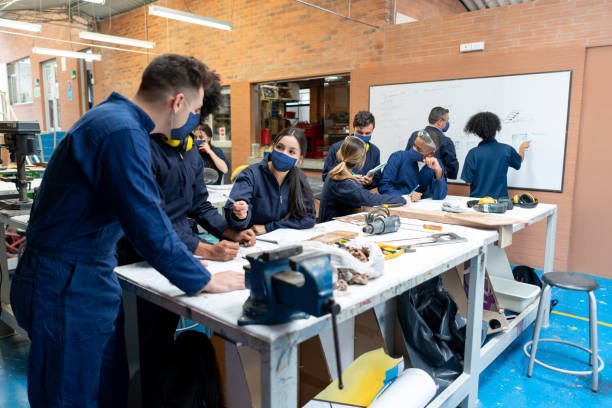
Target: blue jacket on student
(402,174)
(486,168)
(445,154)
(372,160)
(183,191)
(219,153)
(97,187)
(268,202)
(342,197)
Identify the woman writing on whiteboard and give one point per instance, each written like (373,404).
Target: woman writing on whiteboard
(342,192)
(486,165)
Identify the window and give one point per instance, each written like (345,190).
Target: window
(220,123)
(301,109)
(19,81)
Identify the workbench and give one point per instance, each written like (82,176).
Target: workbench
(17,219)
(278,345)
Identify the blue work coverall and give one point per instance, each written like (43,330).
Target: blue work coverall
(268,202)
(402,174)
(372,160)
(221,155)
(342,197)
(445,154)
(486,168)
(97,186)
(180,177)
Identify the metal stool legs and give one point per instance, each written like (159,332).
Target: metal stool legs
(595,361)
(593,340)
(537,327)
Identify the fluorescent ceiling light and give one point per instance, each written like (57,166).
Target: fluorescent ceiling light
(95,1)
(20,25)
(190,18)
(69,54)
(87,35)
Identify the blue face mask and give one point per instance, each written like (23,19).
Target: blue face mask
(199,142)
(364,139)
(447,126)
(181,133)
(413,155)
(281,161)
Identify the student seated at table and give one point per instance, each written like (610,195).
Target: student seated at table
(273,193)
(402,174)
(342,193)
(486,165)
(213,156)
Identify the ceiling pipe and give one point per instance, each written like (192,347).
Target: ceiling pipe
(337,14)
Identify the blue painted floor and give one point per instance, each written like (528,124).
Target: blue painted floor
(502,384)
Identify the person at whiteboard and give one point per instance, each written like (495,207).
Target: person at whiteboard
(342,193)
(363,124)
(439,123)
(402,174)
(486,165)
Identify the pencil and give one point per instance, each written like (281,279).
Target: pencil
(231,200)
(414,189)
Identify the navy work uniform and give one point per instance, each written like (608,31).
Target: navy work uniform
(97,186)
(342,197)
(220,154)
(446,154)
(486,168)
(268,202)
(372,160)
(180,176)
(402,174)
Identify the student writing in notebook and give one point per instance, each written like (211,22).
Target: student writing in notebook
(342,193)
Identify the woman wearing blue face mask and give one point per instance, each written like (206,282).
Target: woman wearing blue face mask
(213,156)
(363,124)
(274,193)
(402,174)
(342,194)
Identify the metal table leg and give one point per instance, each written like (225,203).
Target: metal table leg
(549,258)
(474,326)
(279,376)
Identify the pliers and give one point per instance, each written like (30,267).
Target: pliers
(392,251)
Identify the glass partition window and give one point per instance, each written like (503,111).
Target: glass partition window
(220,123)
(19,81)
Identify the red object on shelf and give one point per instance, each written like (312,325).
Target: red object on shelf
(290,115)
(265,136)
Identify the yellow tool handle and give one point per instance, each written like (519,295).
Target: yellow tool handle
(394,254)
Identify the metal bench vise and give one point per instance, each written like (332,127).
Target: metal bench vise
(287,284)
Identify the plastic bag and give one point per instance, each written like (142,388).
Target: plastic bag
(340,258)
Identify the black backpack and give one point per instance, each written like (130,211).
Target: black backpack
(192,377)
(527,274)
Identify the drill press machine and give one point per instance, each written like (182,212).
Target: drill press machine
(20,140)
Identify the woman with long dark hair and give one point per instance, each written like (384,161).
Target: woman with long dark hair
(274,193)
(342,192)
(213,156)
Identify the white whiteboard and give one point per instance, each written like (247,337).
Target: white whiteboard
(531,107)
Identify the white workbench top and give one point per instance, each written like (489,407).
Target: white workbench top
(400,274)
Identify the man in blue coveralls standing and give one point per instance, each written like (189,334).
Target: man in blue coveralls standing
(97,186)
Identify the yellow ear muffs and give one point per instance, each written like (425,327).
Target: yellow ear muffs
(525,200)
(185,144)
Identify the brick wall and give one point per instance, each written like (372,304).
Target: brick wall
(425,9)
(18,47)
(282,39)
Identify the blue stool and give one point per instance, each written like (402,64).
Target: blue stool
(569,281)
